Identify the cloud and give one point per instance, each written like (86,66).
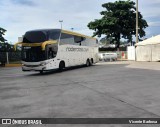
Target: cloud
(19,16)
(23,2)
(154,24)
(149,8)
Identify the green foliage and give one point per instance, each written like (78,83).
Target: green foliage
(118,21)
(107,41)
(2,31)
(6,47)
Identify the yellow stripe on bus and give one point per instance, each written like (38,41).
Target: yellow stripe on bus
(43,45)
(15,45)
(47,43)
(77,34)
(31,44)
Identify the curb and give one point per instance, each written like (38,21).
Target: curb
(13,65)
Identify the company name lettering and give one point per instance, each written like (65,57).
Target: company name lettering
(76,49)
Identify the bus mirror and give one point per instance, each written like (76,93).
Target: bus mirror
(78,39)
(83,38)
(15,46)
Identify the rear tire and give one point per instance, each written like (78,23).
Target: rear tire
(41,72)
(91,62)
(87,63)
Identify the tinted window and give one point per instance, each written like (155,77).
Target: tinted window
(34,37)
(79,40)
(32,54)
(54,35)
(67,39)
(91,42)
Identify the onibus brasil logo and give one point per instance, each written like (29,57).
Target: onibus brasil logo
(21,121)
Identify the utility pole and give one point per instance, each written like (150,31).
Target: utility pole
(6,48)
(137,21)
(61,21)
(7,57)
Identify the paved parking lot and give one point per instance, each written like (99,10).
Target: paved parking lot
(105,90)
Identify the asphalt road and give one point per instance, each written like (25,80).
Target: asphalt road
(100,91)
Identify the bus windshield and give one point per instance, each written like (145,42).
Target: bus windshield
(35,37)
(40,36)
(33,54)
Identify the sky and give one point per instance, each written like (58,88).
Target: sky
(19,16)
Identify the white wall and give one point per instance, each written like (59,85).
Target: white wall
(156,52)
(131,52)
(144,53)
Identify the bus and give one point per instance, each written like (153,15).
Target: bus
(48,49)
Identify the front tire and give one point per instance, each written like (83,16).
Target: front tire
(61,66)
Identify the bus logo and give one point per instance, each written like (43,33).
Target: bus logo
(6,121)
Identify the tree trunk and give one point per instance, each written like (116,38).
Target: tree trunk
(118,41)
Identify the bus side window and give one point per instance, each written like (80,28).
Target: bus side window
(54,35)
(67,39)
(91,42)
(96,41)
(78,40)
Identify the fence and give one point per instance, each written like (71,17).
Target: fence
(10,57)
(131,53)
(121,55)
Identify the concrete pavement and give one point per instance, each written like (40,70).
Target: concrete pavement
(106,90)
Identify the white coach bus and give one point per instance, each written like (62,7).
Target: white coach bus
(47,49)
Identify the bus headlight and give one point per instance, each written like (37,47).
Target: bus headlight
(43,63)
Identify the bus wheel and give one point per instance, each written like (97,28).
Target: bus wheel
(91,61)
(87,63)
(61,66)
(41,72)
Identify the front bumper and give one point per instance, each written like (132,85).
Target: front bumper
(29,68)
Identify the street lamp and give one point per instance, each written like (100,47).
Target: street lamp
(61,21)
(137,21)
(72,29)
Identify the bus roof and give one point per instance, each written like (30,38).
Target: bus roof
(77,34)
(55,30)
(63,31)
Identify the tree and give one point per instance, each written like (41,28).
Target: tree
(107,41)
(2,31)
(118,21)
